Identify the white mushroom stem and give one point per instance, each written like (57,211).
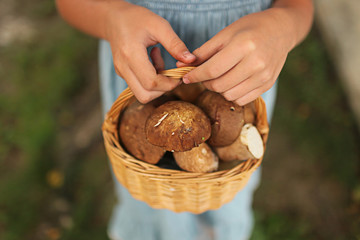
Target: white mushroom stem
(198,159)
(251,137)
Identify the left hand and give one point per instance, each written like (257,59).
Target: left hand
(244,59)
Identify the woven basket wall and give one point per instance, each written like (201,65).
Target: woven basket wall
(176,190)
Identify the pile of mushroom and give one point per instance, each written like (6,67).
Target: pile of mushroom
(197,134)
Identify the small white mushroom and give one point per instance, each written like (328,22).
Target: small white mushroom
(198,159)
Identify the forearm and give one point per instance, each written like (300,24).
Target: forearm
(88,16)
(298,15)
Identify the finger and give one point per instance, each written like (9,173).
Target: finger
(157,60)
(248,85)
(203,53)
(217,65)
(182,64)
(251,96)
(243,70)
(141,94)
(207,50)
(173,44)
(146,73)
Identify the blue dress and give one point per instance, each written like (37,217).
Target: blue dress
(195,22)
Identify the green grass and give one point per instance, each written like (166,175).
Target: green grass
(312,108)
(280,226)
(38,80)
(90,197)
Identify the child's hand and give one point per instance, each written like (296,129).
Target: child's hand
(244,60)
(130,29)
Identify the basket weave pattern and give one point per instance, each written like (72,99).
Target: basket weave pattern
(176,190)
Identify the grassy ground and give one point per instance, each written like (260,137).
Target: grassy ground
(50,189)
(40,195)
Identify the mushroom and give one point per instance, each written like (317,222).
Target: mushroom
(199,159)
(248,145)
(177,126)
(132,131)
(189,92)
(227,118)
(250,112)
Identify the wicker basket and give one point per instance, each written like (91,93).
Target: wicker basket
(176,190)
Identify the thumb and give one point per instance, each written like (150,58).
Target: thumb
(173,44)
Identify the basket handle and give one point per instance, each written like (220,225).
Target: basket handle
(176,73)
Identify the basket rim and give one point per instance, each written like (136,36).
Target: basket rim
(113,145)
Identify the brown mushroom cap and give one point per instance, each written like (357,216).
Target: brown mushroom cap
(132,132)
(177,126)
(227,118)
(199,159)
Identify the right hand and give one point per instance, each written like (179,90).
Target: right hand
(130,29)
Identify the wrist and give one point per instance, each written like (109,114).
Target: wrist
(113,10)
(297,17)
(286,25)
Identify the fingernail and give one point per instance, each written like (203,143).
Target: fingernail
(186,79)
(188,55)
